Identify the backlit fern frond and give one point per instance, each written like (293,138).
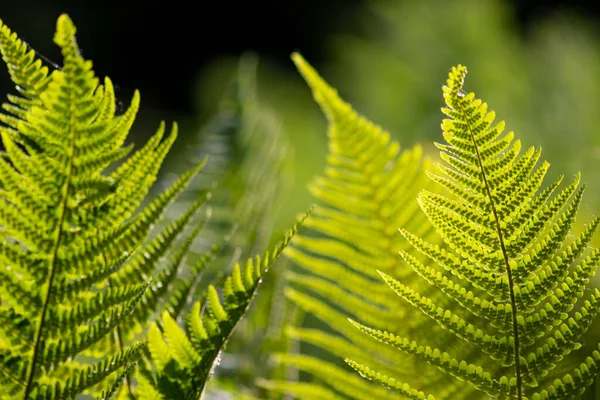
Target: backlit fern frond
(369,189)
(183,359)
(74,265)
(518,274)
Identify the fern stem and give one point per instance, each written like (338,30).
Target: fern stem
(513,303)
(56,246)
(119,339)
(119,336)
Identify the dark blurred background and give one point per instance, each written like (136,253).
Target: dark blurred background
(159,47)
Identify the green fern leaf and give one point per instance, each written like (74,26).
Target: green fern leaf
(368,190)
(248,166)
(77,258)
(513,260)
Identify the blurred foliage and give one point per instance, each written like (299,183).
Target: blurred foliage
(284,95)
(544,82)
(248,173)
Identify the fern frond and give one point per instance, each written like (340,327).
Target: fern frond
(367,192)
(249,162)
(74,233)
(514,261)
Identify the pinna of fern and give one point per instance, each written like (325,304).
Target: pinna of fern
(511,264)
(74,265)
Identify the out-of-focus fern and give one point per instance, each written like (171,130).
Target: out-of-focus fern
(369,189)
(183,359)
(75,269)
(248,164)
(512,265)
(248,173)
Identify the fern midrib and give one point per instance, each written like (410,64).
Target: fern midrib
(119,338)
(58,237)
(513,303)
(380,204)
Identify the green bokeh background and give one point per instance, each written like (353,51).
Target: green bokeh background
(544,83)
